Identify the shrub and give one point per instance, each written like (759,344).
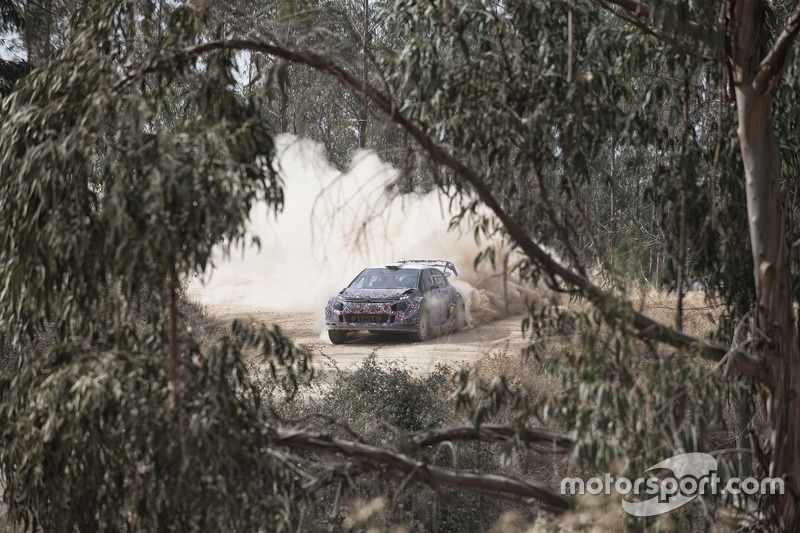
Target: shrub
(387,392)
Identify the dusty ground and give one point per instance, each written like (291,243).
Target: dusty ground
(467,346)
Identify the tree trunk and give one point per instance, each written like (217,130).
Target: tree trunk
(612,184)
(362,112)
(174,363)
(774,317)
(48,21)
(636,193)
(684,185)
(283,108)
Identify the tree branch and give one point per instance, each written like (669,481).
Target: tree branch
(492,433)
(370,457)
(642,11)
(548,208)
(643,27)
(771,67)
(612,309)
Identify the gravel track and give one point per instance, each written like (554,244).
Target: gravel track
(454,349)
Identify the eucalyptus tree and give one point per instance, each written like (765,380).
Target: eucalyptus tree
(500,95)
(298,100)
(739,36)
(107,200)
(45,29)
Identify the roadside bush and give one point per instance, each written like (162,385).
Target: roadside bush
(382,398)
(385,392)
(381,401)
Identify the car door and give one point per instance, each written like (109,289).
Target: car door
(433,285)
(450,295)
(428,295)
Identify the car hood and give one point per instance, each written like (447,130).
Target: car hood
(382,294)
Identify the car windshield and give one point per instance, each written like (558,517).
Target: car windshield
(385,278)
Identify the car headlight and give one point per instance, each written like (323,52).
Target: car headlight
(338,306)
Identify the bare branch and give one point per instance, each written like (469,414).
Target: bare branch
(570,44)
(371,457)
(771,67)
(327,418)
(335,472)
(548,208)
(492,433)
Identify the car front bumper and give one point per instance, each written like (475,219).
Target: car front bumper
(374,316)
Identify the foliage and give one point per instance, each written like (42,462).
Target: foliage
(97,424)
(382,401)
(10,72)
(386,393)
(108,197)
(124,160)
(603,139)
(633,406)
(10,16)
(788,110)
(110,193)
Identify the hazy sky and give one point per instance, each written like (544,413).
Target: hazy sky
(9,41)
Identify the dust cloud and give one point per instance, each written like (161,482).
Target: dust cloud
(336,223)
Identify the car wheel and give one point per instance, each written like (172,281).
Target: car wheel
(461,315)
(337,336)
(423,327)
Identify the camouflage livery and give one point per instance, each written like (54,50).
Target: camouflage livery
(411,296)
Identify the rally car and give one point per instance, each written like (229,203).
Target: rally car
(412,296)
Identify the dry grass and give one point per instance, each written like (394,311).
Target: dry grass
(663,307)
(531,377)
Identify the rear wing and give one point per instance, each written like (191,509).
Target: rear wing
(432,262)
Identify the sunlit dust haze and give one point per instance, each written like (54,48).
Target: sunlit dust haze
(333,225)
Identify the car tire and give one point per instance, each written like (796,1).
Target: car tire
(461,315)
(337,336)
(423,326)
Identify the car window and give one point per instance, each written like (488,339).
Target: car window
(381,278)
(367,281)
(406,280)
(438,280)
(427,280)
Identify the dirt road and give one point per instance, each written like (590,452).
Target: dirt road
(453,349)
